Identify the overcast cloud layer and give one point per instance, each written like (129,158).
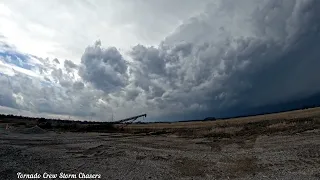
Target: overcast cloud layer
(163,58)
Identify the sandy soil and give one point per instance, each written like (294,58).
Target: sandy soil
(127,156)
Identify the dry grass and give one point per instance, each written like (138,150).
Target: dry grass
(228,130)
(281,125)
(297,114)
(292,122)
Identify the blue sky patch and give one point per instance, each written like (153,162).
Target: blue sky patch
(16,59)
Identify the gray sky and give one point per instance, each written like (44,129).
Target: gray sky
(164,58)
(62,29)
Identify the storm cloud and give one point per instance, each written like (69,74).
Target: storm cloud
(232,55)
(104,68)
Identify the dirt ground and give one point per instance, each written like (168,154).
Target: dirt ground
(127,156)
(277,146)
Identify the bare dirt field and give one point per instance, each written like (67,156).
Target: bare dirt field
(276,146)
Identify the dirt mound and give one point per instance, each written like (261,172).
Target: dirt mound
(34,130)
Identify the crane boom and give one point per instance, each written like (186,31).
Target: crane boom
(131,118)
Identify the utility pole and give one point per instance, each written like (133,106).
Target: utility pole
(112,116)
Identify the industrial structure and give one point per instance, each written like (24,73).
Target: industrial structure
(131,119)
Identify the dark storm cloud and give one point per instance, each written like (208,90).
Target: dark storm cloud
(235,55)
(216,67)
(208,66)
(104,68)
(281,68)
(69,64)
(150,59)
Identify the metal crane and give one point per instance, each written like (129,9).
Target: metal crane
(130,119)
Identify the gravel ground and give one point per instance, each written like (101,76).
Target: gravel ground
(124,156)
